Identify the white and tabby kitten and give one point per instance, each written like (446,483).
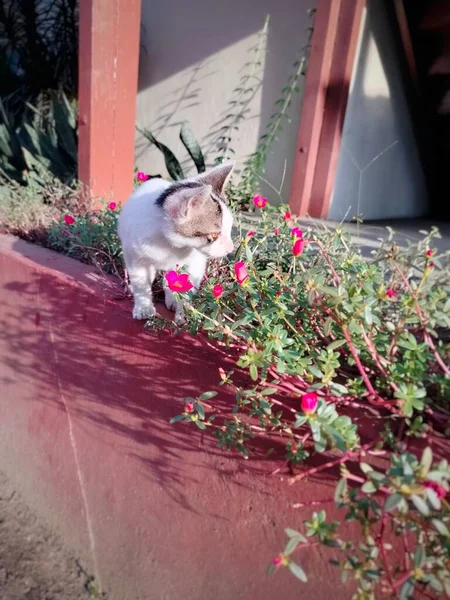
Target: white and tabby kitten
(165,226)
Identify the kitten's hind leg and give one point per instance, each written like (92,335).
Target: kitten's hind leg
(172,304)
(141,279)
(169,298)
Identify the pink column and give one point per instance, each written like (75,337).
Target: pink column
(108,74)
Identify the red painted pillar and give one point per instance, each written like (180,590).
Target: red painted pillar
(107,88)
(345,44)
(336,31)
(313,104)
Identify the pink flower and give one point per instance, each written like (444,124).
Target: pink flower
(217,291)
(309,402)
(178,282)
(390,293)
(298,233)
(287,216)
(278,561)
(298,246)
(241,272)
(112,206)
(189,407)
(251,233)
(260,202)
(69,220)
(441,492)
(142,176)
(276,231)
(430,252)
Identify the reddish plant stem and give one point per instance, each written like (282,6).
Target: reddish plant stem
(280,389)
(424,593)
(292,389)
(373,397)
(352,477)
(423,322)
(279,403)
(358,479)
(305,437)
(324,467)
(343,401)
(406,551)
(231,345)
(332,463)
(393,344)
(377,359)
(377,452)
(289,386)
(337,281)
(401,581)
(380,542)
(301,381)
(313,503)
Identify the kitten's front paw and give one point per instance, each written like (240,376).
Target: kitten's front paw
(180,318)
(143,312)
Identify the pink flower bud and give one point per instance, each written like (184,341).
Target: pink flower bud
(298,246)
(112,206)
(287,216)
(430,252)
(217,291)
(142,176)
(441,492)
(189,407)
(69,220)
(390,293)
(241,272)
(278,561)
(276,231)
(309,402)
(251,233)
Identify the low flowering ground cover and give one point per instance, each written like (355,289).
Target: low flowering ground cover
(319,334)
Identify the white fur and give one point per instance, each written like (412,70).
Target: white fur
(150,245)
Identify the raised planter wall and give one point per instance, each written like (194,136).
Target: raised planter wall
(155,511)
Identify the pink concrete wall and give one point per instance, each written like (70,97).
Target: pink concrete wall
(155,511)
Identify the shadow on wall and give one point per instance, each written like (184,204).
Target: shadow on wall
(84,353)
(121,383)
(379,174)
(87,396)
(208,48)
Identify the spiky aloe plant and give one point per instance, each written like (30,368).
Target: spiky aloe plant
(173,165)
(43,145)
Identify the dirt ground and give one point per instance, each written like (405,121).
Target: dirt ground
(34,564)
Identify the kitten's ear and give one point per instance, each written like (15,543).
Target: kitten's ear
(181,204)
(218,176)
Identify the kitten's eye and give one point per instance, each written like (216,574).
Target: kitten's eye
(212,237)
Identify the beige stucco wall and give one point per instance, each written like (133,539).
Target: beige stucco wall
(193,55)
(379,173)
